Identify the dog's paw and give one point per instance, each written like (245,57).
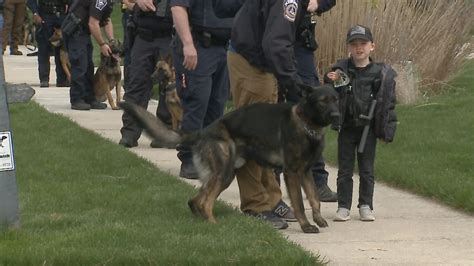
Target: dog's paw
(115,108)
(320,221)
(310,229)
(194,208)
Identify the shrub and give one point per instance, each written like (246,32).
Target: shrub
(430,37)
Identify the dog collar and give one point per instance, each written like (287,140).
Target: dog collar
(312,133)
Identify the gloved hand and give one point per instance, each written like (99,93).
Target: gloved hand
(288,91)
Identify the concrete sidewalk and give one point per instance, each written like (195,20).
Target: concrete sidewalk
(409,229)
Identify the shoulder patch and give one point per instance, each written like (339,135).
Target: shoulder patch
(290,8)
(100,4)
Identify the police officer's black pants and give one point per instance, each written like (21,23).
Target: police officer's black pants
(348,142)
(144,55)
(79,47)
(306,68)
(43,33)
(205,92)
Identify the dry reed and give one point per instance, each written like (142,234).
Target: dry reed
(424,39)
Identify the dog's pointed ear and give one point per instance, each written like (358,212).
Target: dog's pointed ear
(305,89)
(169,59)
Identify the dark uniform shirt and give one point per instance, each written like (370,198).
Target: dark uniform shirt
(264,33)
(202,18)
(160,22)
(99,9)
(47,6)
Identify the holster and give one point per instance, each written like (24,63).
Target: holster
(308,39)
(70,24)
(131,33)
(206,39)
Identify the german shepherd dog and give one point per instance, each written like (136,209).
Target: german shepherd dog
(56,40)
(164,75)
(273,135)
(109,75)
(29,31)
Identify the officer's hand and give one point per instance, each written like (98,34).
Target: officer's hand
(146,5)
(105,49)
(190,57)
(289,91)
(312,6)
(37,19)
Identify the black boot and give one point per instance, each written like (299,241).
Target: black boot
(326,194)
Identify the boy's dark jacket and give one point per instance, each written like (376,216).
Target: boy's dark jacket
(385,119)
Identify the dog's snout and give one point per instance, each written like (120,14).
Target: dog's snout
(335,120)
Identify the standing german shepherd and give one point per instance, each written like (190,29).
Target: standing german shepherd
(164,75)
(273,135)
(109,75)
(56,40)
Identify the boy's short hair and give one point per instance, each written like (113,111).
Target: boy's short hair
(359,32)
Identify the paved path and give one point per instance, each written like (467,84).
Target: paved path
(409,229)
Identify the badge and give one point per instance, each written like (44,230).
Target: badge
(290,8)
(100,4)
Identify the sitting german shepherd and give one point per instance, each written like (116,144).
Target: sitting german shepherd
(56,40)
(109,75)
(273,135)
(164,75)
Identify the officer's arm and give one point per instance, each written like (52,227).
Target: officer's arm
(181,24)
(109,29)
(277,43)
(325,5)
(94,28)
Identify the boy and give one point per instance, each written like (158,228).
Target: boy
(370,83)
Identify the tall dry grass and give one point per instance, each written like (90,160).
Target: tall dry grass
(428,35)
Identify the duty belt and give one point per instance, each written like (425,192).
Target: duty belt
(150,35)
(53,10)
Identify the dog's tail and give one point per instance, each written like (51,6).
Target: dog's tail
(152,125)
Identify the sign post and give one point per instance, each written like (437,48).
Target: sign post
(9,209)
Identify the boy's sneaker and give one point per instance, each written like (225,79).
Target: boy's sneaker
(366,214)
(284,211)
(270,217)
(342,215)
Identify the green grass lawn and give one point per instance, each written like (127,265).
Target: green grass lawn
(85,200)
(433,151)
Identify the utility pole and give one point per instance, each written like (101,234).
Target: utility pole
(9,209)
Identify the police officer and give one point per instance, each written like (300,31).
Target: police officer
(151,38)
(1,21)
(15,11)
(47,15)
(305,46)
(201,67)
(86,17)
(261,59)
